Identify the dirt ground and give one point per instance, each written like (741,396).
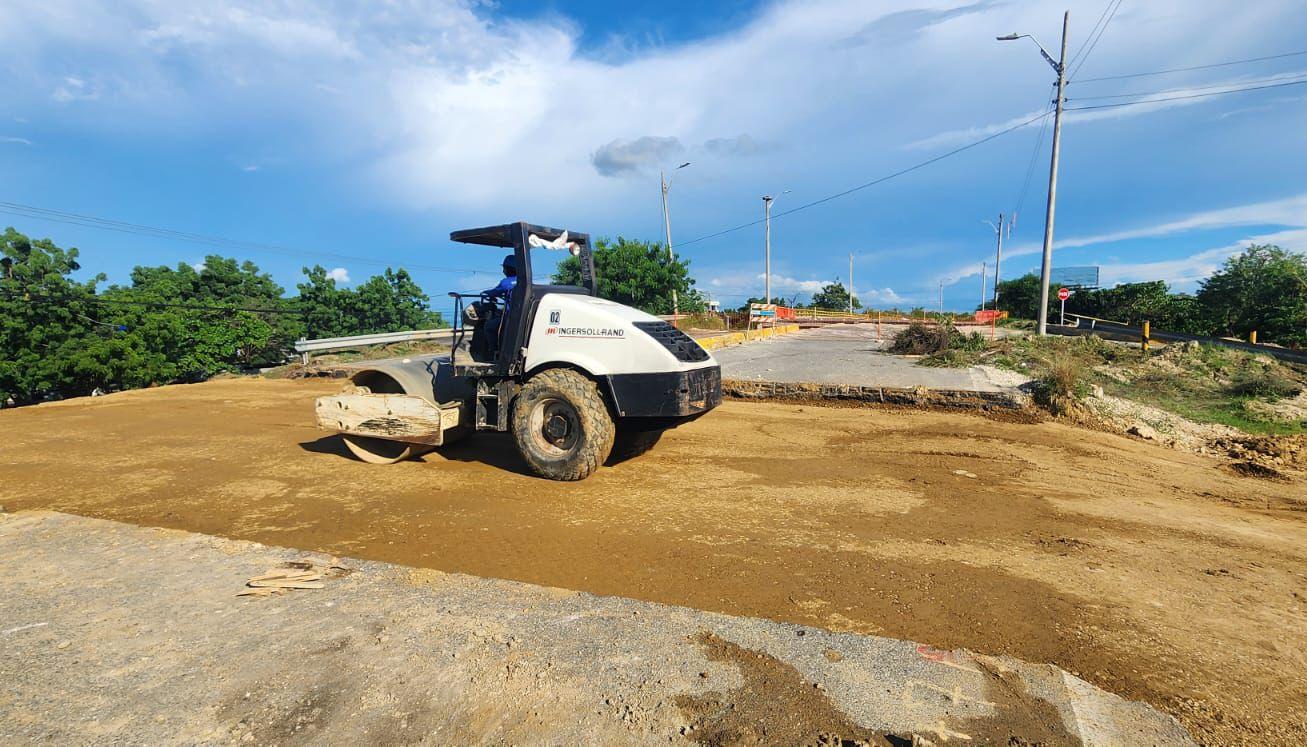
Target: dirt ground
(1156,574)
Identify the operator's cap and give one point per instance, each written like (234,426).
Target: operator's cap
(510,262)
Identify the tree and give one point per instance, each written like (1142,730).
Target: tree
(778,300)
(1020,296)
(1262,289)
(46,319)
(639,274)
(177,325)
(390,302)
(834,296)
(61,338)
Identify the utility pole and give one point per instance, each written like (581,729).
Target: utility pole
(941,299)
(998,258)
(983,276)
(766,206)
(1060,67)
(850,283)
(1046,271)
(667,227)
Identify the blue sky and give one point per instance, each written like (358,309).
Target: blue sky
(370,130)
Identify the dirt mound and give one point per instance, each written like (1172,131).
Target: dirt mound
(1269,451)
(1120,415)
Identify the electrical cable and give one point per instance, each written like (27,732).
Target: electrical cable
(1283,77)
(1030,167)
(43,296)
(1195,67)
(1183,98)
(1098,38)
(89,221)
(872,183)
(1092,31)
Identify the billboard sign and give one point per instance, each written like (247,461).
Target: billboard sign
(1075,277)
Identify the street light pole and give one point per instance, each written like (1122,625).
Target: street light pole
(667,228)
(850,284)
(998,256)
(1060,67)
(766,206)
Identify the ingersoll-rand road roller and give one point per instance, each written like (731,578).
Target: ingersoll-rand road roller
(575,378)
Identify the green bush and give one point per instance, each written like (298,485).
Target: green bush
(920,338)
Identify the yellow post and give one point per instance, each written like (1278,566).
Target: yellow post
(877,325)
(1252,337)
(1145,340)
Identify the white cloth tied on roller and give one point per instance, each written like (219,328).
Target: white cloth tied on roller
(559,243)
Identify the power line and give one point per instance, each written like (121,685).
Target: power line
(1098,38)
(1092,31)
(1196,67)
(1283,77)
(41,296)
(1030,167)
(109,224)
(1182,98)
(873,182)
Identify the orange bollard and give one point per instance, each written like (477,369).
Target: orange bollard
(1252,337)
(1145,337)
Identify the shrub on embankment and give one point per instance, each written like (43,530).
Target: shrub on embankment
(1203,383)
(1262,289)
(920,338)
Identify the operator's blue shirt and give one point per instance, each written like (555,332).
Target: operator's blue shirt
(505,288)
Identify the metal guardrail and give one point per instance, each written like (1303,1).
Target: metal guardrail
(305,347)
(1087,325)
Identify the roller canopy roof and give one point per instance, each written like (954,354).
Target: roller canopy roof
(502,236)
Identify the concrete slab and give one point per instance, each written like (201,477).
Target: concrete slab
(850,354)
(117,633)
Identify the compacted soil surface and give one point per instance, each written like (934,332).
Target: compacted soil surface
(1156,574)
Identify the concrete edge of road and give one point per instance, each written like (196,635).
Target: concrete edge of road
(1013,400)
(716,342)
(120,633)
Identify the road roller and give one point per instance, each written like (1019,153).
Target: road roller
(578,380)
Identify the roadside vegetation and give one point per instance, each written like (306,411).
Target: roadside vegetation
(1263,289)
(1254,393)
(63,337)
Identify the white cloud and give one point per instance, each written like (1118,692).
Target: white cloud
(74,89)
(425,89)
(250,167)
(14,139)
(1289,212)
(450,109)
(339,274)
(1185,272)
(879,297)
(198,266)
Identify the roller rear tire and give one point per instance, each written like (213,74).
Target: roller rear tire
(381,450)
(561,425)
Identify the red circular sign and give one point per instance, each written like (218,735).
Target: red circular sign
(1063,294)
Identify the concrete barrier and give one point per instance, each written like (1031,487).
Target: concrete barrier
(717,342)
(950,399)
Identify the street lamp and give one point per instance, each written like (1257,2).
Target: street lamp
(667,228)
(998,258)
(1059,67)
(767,200)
